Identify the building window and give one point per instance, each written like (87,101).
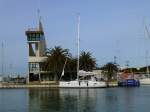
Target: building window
(34,67)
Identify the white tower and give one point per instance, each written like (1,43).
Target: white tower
(37,52)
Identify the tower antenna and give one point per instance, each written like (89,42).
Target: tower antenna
(38,12)
(40,27)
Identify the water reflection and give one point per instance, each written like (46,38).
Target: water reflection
(89,100)
(62,100)
(75,100)
(126,100)
(79,100)
(43,100)
(13,100)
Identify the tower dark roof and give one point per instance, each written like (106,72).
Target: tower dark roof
(36,30)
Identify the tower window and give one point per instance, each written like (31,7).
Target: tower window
(33,67)
(34,37)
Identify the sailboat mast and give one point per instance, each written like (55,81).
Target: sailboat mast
(2,58)
(146,59)
(78,43)
(146,52)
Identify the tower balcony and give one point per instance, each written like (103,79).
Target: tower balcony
(37,59)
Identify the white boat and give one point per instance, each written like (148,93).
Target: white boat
(82,84)
(90,83)
(145,81)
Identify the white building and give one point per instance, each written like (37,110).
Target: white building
(99,74)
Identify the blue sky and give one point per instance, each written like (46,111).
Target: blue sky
(108,28)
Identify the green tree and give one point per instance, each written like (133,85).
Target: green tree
(56,59)
(110,70)
(70,69)
(87,62)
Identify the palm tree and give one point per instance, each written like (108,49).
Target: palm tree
(110,70)
(71,69)
(87,62)
(56,60)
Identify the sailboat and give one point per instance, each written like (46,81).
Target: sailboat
(146,80)
(78,83)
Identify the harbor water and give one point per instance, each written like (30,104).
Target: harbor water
(75,100)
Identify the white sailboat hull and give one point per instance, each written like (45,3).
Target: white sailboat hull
(145,81)
(82,84)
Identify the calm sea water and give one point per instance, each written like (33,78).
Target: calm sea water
(75,100)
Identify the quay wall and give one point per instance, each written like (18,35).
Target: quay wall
(50,85)
(27,86)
